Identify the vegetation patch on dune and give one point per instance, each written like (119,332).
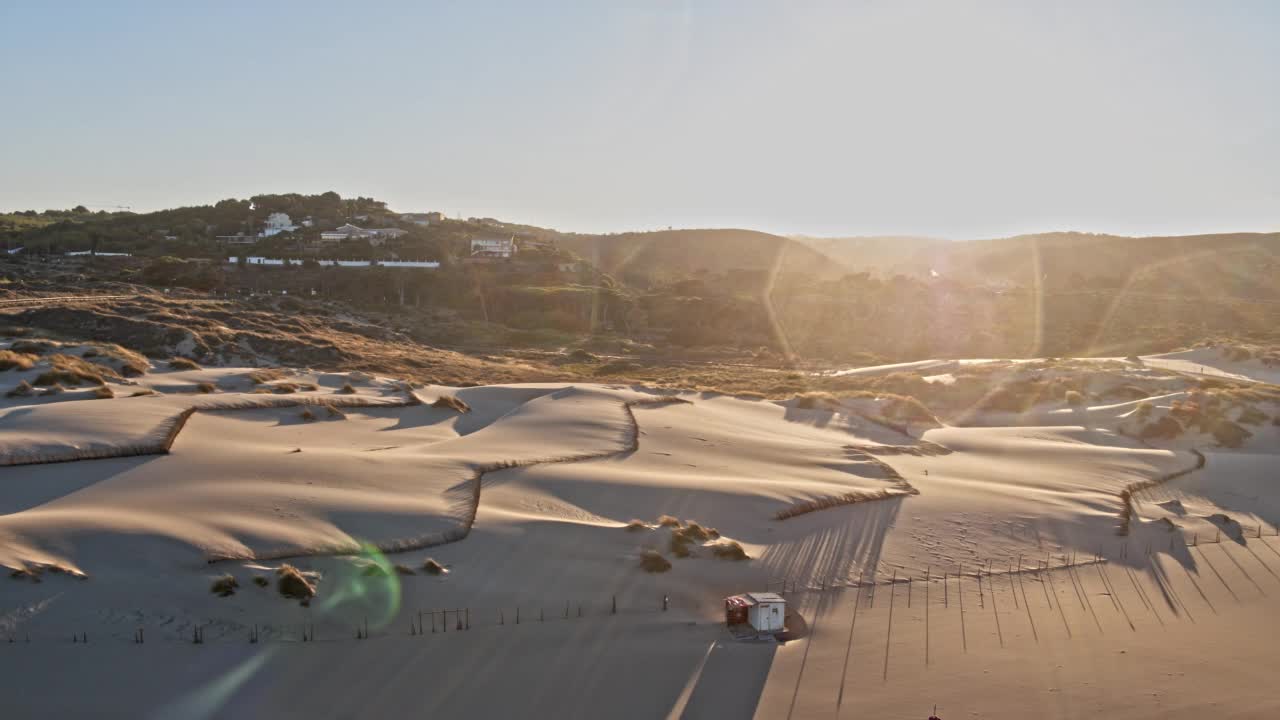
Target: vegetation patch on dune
(292,583)
(71,370)
(10,360)
(652,561)
(451,402)
(181,363)
(224,585)
(729,550)
(22,389)
(636,526)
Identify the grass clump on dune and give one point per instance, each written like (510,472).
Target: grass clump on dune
(224,585)
(103,393)
(346,389)
(71,370)
(668,521)
(284,388)
(31,347)
(291,583)
(729,550)
(451,402)
(52,390)
(636,526)
(22,389)
(332,411)
(261,581)
(181,363)
(10,360)
(265,375)
(1074,398)
(142,392)
(127,362)
(307,415)
(652,561)
(206,387)
(431,567)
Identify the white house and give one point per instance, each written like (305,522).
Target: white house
(493,247)
(765,612)
(353,232)
(277,223)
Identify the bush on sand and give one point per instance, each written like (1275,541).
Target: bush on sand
(181,363)
(224,585)
(451,402)
(291,583)
(652,561)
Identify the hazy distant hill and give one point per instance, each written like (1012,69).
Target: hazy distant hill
(1238,264)
(653,257)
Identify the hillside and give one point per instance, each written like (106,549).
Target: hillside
(1235,264)
(655,257)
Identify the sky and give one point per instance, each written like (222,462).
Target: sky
(864,117)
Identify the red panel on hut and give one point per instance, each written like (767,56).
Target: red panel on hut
(735,610)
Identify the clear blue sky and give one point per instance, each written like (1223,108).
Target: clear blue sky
(953,119)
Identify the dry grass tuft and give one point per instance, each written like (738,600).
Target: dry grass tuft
(181,363)
(636,526)
(668,521)
(32,347)
(103,393)
(729,550)
(224,585)
(206,387)
(652,561)
(284,388)
(10,360)
(698,533)
(1074,398)
(332,411)
(71,370)
(451,402)
(346,389)
(142,392)
(307,415)
(291,583)
(265,375)
(431,567)
(22,389)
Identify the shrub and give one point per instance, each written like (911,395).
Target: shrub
(181,363)
(668,521)
(1074,398)
(206,387)
(10,360)
(1229,434)
(652,561)
(729,550)
(307,415)
(103,392)
(291,583)
(679,545)
(431,567)
(71,370)
(697,533)
(265,375)
(1166,428)
(332,411)
(346,389)
(284,388)
(813,400)
(23,389)
(451,402)
(129,363)
(224,586)
(636,526)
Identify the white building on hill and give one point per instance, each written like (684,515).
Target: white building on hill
(493,247)
(276,224)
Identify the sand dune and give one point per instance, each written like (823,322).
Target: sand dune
(526,498)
